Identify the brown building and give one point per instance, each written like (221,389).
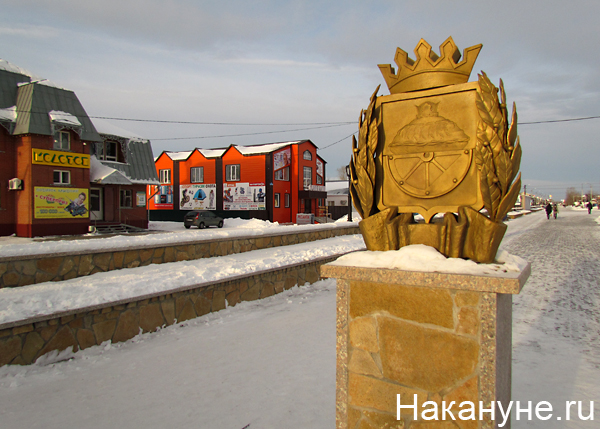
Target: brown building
(46,139)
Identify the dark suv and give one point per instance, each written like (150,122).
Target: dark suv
(202,219)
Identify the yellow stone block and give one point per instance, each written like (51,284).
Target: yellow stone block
(466,297)
(425,358)
(381,421)
(420,304)
(468,321)
(363,334)
(468,391)
(379,395)
(361,362)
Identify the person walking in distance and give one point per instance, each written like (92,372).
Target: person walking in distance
(589,207)
(555,210)
(548,209)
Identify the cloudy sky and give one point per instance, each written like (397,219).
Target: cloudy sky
(251,69)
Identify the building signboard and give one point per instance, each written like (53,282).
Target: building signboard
(163,196)
(244,196)
(60,203)
(282,158)
(198,196)
(59,158)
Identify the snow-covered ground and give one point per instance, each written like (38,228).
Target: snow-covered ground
(271,363)
(163,233)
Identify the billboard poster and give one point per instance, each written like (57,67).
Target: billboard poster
(163,196)
(60,203)
(320,167)
(282,158)
(244,196)
(198,196)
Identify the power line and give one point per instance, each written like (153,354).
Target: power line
(559,120)
(339,141)
(249,134)
(159,121)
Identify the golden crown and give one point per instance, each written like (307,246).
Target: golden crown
(429,70)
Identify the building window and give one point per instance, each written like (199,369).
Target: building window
(62,177)
(232,173)
(107,151)
(197,174)
(164,176)
(62,140)
(307,177)
(283,174)
(330,203)
(319,180)
(287,200)
(307,155)
(276,200)
(126,198)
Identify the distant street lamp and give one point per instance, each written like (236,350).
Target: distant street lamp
(349,195)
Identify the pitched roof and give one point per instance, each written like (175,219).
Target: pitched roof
(34,104)
(179,156)
(139,166)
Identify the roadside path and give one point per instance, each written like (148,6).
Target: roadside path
(556,319)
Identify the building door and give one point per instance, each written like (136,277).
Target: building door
(307,206)
(96,204)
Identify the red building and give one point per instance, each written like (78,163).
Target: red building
(273,182)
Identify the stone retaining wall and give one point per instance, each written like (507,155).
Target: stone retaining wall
(23,342)
(26,270)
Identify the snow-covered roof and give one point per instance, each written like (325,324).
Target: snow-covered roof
(8,114)
(333,185)
(265,148)
(5,65)
(107,128)
(64,118)
(212,153)
(179,156)
(100,173)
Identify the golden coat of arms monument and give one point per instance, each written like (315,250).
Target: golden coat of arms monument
(437,145)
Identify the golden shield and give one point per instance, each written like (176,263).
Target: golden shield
(426,150)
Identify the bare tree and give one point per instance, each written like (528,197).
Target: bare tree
(572,196)
(341,173)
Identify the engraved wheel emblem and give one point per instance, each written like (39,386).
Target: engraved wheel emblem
(429,174)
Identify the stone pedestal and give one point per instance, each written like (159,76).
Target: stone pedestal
(441,337)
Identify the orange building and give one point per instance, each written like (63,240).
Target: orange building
(274,182)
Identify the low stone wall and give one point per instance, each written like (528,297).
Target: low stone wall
(26,270)
(23,342)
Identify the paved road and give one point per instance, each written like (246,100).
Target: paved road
(556,320)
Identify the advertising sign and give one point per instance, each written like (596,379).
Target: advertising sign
(59,158)
(319,167)
(163,196)
(305,218)
(244,196)
(60,203)
(198,196)
(140,199)
(282,158)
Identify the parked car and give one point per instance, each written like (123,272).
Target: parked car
(202,219)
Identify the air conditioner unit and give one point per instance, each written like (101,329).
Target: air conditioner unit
(15,184)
